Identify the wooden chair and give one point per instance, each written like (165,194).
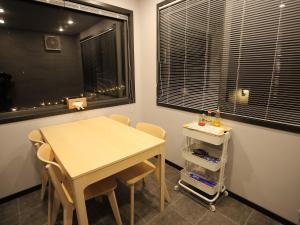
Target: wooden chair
(36,139)
(121,118)
(62,193)
(138,172)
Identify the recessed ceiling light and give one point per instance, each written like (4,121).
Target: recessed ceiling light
(61,29)
(281,5)
(70,21)
(1,10)
(2,21)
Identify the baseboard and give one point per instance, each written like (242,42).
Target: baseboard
(173,165)
(19,194)
(247,202)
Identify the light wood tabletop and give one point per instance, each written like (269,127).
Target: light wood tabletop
(90,150)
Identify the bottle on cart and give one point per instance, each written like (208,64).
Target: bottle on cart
(202,119)
(217,120)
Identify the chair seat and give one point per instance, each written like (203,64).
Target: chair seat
(94,190)
(136,173)
(101,187)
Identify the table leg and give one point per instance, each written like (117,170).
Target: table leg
(79,202)
(156,173)
(161,159)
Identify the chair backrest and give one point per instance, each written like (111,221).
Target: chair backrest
(152,129)
(36,138)
(55,172)
(121,118)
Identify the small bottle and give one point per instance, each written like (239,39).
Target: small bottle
(209,116)
(217,121)
(202,120)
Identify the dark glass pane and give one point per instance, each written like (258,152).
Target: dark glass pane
(45,58)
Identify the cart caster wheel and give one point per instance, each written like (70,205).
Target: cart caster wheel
(176,188)
(225,193)
(212,208)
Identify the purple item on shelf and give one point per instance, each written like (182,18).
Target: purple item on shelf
(202,179)
(204,155)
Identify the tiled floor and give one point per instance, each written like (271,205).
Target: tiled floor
(182,210)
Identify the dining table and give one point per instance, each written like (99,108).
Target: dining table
(92,149)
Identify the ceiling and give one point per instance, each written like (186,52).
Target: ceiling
(29,15)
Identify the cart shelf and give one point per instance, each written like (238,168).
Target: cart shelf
(206,137)
(198,184)
(188,155)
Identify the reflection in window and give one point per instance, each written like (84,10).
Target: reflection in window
(100,65)
(45,58)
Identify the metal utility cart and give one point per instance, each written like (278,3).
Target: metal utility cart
(215,145)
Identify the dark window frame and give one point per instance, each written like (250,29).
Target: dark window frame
(239,118)
(8,117)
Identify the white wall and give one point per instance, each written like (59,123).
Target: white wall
(18,170)
(264,164)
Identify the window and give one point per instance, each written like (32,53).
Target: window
(190,39)
(55,50)
(252,58)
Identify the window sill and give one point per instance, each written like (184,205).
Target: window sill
(10,117)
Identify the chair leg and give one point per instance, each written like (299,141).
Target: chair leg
(55,208)
(50,203)
(132,204)
(44,178)
(114,206)
(144,183)
(68,215)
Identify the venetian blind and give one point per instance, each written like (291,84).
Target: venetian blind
(240,55)
(190,39)
(261,79)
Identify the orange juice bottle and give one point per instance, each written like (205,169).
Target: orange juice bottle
(217,120)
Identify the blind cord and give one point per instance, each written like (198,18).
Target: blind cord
(206,54)
(240,56)
(275,61)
